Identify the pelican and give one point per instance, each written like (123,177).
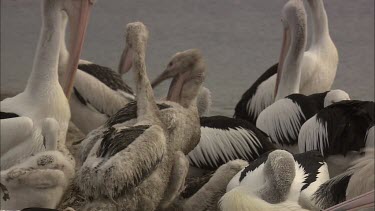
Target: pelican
(43,96)
(165,166)
(277,177)
(214,189)
(355,181)
(41,180)
(222,138)
(283,119)
(98,91)
(193,70)
(115,166)
(319,65)
(339,133)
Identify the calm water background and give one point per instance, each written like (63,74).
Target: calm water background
(240,39)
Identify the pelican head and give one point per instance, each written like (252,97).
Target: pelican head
(335,96)
(180,63)
(50,130)
(187,69)
(136,41)
(279,171)
(293,47)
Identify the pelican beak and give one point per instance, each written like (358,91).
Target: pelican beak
(78,25)
(126,61)
(284,51)
(162,77)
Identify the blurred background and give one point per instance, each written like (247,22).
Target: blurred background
(240,39)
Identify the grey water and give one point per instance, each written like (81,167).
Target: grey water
(239,39)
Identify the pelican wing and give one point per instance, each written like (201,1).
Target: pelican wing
(258,96)
(122,160)
(224,139)
(107,76)
(14,131)
(283,119)
(333,191)
(338,128)
(6,115)
(96,95)
(129,113)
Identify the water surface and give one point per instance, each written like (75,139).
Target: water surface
(239,39)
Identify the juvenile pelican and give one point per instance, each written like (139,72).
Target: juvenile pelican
(152,150)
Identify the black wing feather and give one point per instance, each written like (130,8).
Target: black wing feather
(114,142)
(6,115)
(241,111)
(347,123)
(129,112)
(107,76)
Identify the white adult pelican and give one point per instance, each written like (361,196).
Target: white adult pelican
(277,179)
(41,180)
(283,119)
(43,96)
(319,65)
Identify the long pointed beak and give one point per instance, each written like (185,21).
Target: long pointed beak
(162,77)
(78,28)
(284,51)
(126,61)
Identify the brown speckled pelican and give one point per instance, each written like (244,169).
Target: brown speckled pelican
(155,170)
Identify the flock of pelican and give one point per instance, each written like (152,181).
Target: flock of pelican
(293,143)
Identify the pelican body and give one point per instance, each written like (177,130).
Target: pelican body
(43,96)
(318,69)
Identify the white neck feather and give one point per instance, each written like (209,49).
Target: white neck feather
(291,70)
(320,34)
(44,73)
(64,53)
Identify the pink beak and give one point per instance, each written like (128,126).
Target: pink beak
(78,30)
(284,51)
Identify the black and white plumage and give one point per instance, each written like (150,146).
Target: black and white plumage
(356,180)
(109,77)
(224,139)
(319,65)
(283,119)
(98,91)
(43,96)
(310,172)
(339,130)
(258,97)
